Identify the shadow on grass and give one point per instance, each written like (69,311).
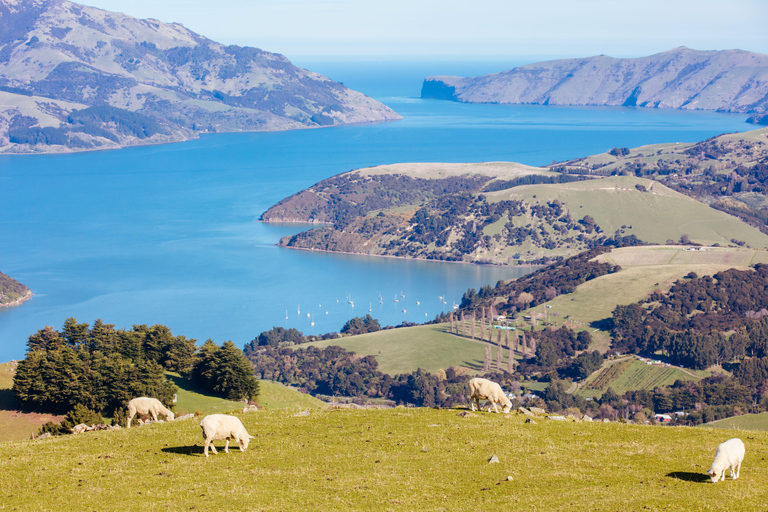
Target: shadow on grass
(689,477)
(606,324)
(184,450)
(8,401)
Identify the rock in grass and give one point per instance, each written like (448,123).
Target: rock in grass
(466,414)
(530,420)
(302,413)
(523,410)
(493,459)
(538,411)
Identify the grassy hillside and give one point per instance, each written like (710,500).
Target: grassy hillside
(643,269)
(406,349)
(273,395)
(630,374)
(654,216)
(397,459)
(745,422)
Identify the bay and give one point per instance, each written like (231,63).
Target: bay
(169,234)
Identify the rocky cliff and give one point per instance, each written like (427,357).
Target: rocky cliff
(77,77)
(725,81)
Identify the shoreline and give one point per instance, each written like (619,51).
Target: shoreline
(407,257)
(19,301)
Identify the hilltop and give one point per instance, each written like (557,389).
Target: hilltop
(74,77)
(408,459)
(682,78)
(12,292)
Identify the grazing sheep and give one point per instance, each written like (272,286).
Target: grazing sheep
(222,426)
(484,389)
(729,455)
(147,406)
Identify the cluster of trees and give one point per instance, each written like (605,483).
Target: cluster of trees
(102,368)
(282,337)
(361,325)
(336,371)
(707,400)
(692,323)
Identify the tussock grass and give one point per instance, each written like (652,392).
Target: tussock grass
(397,459)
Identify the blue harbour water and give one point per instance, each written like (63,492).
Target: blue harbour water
(169,234)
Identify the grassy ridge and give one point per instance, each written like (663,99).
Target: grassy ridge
(404,350)
(398,459)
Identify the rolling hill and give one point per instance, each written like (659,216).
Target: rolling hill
(12,292)
(74,77)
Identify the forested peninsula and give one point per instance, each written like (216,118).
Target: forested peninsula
(12,292)
(725,81)
(708,193)
(74,78)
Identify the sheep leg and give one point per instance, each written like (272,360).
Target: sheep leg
(735,474)
(209,443)
(226,446)
(154,416)
(495,408)
(130,418)
(472,404)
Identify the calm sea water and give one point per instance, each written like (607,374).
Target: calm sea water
(168,234)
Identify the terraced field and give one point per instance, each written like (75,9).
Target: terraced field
(632,374)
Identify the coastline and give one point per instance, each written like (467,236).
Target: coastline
(407,257)
(19,301)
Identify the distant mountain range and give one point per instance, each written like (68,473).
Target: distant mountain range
(725,81)
(75,77)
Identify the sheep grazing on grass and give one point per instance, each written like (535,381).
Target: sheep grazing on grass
(147,406)
(222,426)
(729,455)
(484,389)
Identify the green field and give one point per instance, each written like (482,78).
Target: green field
(406,349)
(273,395)
(396,459)
(631,374)
(745,422)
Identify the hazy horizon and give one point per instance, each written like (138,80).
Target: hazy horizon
(448,29)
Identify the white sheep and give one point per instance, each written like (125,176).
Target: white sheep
(147,406)
(729,455)
(223,426)
(484,389)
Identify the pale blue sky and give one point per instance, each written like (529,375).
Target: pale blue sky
(547,28)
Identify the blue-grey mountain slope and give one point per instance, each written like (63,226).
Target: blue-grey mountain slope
(725,81)
(77,77)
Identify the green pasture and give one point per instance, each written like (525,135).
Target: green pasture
(745,422)
(396,459)
(406,349)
